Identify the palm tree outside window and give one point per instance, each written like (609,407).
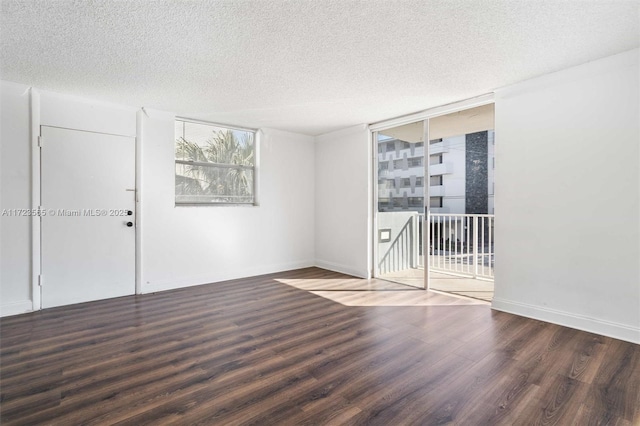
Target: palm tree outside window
(214,164)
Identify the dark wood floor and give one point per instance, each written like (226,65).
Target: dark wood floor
(257,351)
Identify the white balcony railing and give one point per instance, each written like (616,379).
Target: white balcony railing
(438,148)
(440,169)
(459,244)
(402,253)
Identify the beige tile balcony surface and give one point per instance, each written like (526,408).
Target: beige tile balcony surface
(461,286)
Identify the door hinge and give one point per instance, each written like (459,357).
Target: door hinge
(40,280)
(40,141)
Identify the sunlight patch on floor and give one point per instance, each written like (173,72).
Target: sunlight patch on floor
(376,292)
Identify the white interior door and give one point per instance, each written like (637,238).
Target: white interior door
(88,230)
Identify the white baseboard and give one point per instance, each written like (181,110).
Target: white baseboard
(343,269)
(15,308)
(225,276)
(591,325)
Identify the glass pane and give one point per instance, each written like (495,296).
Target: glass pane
(463,143)
(401,168)
(400,189)
(460,224)
(208,143)
(213,149)
(213,184)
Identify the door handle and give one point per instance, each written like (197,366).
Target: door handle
(129,224)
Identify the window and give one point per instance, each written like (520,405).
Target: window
(383,165)
(435,180)
(406,182)
(419,181)
(391,146)
(214,164)
(435,159)
(415,162)
(398,164)
(416,202)
(435,202)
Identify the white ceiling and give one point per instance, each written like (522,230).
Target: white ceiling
(305,66)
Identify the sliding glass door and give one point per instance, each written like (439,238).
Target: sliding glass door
(434,202)
(400,204)
(461,219)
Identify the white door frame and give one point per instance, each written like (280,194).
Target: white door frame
(36,266)
(36,199)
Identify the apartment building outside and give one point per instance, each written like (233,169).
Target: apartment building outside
(461,174)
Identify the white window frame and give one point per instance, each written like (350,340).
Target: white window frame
(254,168)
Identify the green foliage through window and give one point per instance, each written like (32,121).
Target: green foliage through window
(214,165)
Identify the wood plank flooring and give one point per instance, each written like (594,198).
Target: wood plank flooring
(263,351)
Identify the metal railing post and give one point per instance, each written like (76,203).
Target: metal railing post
(475,246)
(414,246)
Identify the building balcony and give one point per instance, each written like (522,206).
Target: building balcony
(438,148)
(385,174)
(440,210)
(436,191)
(440,169)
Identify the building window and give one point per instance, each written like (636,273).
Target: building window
(435,159)
(419,144)
(435,180)
(419,180)
(391,146)
(406,145)
(435,202)
(214,164)
(406,182)
(415,162)
(383,165)
(434,141)
(398,164)
(416,202)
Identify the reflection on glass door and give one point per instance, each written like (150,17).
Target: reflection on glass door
(400,207)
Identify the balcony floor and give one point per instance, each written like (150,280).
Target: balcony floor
(451,284)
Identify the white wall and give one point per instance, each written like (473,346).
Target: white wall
(568,198)
(178,246)
(343,201)
(15,193)
(395,222)
(22,108)
(184,246)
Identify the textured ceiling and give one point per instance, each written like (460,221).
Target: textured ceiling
(304,66)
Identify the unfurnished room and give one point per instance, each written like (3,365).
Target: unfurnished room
(320,212)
